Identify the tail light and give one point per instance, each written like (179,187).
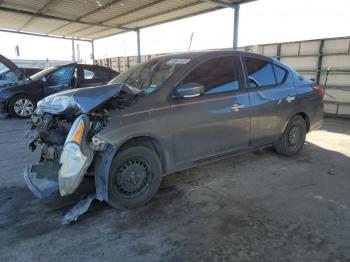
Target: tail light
(318,90)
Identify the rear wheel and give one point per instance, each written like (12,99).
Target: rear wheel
(21,106)
(134,177)
(293,137)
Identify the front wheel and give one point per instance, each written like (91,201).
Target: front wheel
(293,137)
(21,106)
(134,177)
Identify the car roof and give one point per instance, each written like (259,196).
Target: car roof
(198,54)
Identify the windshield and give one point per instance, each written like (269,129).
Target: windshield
(149,76)
(43,73)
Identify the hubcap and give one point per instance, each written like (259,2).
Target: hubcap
(294,136)
(23,107)
(133,176)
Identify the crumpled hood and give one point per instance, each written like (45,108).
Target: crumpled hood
(83,100)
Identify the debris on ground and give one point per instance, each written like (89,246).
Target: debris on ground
(332,173)
(78,209)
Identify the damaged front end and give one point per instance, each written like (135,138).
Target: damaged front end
(64,128)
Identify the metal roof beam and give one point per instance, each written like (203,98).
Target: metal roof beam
(17,11)
(32,18)
(227,3)
(134,11)
(49,36)
(99,9)
(162,13)
(223,3)
(165,21)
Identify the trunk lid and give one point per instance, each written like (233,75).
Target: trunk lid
(13,67)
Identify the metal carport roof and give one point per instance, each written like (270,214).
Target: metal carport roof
(94,19)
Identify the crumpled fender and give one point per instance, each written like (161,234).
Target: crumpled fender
(102,164)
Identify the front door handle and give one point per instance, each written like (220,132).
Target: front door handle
(290,98)
(237,107)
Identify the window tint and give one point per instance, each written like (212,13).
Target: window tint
(10,76)
(260,73)
(88,74)
(31,71)
(61,76)
(96,73)
(217,75)
(280,74)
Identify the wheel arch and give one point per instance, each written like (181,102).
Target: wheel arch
(17,94)
(149,142)
(303,115)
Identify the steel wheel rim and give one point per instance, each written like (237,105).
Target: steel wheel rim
(133,177)
(294,136)
(23,107)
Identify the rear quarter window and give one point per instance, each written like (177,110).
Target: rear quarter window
(260,73)
(280,73)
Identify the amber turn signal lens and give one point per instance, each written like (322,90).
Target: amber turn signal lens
(79,133)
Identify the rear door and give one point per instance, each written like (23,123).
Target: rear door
(216,122)
(60,79)
(272,97)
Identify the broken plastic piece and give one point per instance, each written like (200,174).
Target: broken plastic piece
(42,179)
(80,208)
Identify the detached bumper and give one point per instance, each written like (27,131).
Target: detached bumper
(42,179)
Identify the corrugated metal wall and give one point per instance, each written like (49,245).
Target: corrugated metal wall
(325,60)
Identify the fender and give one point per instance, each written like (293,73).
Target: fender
(302,114)
(102,163)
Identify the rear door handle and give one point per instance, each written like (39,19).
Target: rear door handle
(290,98)
(237,107)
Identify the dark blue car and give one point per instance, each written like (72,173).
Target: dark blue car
(18,97)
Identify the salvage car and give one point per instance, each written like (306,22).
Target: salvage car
(18,98)
(7,76)
(168,114)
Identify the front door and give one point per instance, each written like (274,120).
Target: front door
(59,80)
(216,122)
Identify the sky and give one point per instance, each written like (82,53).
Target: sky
(264,21)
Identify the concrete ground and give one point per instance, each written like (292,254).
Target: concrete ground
(254,207)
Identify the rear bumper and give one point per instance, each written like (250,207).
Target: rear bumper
(317,120)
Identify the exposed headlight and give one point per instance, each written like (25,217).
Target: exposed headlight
(57,104)
(76,157)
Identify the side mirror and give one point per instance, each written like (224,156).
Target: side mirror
(189,90)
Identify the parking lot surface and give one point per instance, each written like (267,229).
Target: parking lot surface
(254,207)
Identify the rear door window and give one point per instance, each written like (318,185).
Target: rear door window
(260,73)
(218,75)
(96,73)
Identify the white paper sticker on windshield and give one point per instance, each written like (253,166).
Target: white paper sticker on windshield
(178,61)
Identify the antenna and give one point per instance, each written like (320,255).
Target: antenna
(191,38)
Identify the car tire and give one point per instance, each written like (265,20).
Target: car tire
(134,177)
(293,137)
(21,106)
